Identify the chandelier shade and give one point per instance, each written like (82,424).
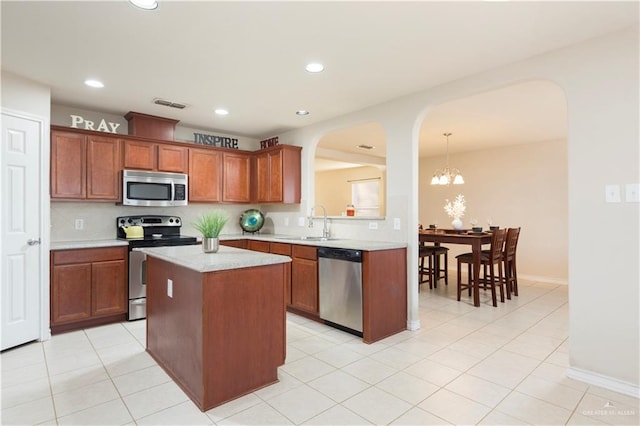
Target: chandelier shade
(447,175)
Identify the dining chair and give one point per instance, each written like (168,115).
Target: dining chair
(509,260)
(489,258)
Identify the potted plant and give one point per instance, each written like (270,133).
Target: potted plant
(210,224)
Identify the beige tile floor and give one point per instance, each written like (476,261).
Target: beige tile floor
(466,365)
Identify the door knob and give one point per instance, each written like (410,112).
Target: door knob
(33,242)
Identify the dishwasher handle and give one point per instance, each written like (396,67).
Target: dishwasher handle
(348,255)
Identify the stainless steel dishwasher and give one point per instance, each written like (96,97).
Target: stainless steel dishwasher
(340,276)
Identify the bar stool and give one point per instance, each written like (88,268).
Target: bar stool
(433,271)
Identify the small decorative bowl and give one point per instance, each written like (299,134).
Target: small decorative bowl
(494,228)
(477,229)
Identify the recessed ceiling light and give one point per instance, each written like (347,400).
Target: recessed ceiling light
(94,83)
(314,67)
(302,112)
(221,111)
(145,4)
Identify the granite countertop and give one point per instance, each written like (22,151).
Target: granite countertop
(192,257)
(276,238)
(333,242)
(69,245)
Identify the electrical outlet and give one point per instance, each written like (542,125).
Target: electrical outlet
(373,225)
(632,193)
(79,224)
(612,193)
(169,288)
(286,221)
(301,221)
(396,223)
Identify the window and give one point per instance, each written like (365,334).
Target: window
(365,196)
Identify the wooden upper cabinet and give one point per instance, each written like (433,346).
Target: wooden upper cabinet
(277,175)
(236,177)
(140,155)
(172,158)
(85,167)
(68,165)
(103,168)
(205,175)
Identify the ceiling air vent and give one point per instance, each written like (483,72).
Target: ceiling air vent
(167,103)
(365,146)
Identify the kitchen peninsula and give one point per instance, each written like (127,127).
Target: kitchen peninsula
(216,322)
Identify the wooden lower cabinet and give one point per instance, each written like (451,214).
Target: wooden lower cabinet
(304,278)
(88,287)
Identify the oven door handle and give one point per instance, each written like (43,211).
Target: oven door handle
(142,301)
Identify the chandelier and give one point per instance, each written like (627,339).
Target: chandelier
(447,175)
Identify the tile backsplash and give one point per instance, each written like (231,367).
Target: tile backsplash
(100,218)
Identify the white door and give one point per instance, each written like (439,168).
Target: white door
(21,233)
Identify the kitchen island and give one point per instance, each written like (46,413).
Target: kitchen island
(216,322)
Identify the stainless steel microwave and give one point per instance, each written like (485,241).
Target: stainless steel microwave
(154,189)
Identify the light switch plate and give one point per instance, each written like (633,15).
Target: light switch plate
(396,223)
(301,221)
(612,193)
(169,288)
(286,221)
(373,225)
(632,193)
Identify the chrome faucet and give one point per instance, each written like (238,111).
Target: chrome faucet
(325,229)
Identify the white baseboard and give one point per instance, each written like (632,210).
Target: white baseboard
(413,325)
(604,381)
(540,279)
(536,278)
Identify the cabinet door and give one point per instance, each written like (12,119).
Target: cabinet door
(70,293)
(174,159)
(205,169)
(285,250)
(261,177)
(68,165)
(275,177)
(139,155)
(304,285)
(108,288)
(236,177)
(103,168)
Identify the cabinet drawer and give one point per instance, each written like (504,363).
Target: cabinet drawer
(61,257)
(305,252)
(281,248)
(262,246)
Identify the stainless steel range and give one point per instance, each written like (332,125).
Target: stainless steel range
(158,231)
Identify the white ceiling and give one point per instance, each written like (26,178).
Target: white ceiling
(249,57)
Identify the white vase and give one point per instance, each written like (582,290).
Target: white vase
(457,223)
(210,245)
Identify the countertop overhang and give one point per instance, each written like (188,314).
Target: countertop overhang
(192,257)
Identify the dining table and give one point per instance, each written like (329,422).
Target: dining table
(466,237)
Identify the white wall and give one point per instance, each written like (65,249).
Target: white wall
(600,80)
(516,186)
(20,94)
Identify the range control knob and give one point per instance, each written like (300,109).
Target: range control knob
(177,220)
(171,220)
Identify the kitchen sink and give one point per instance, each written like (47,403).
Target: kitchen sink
(304,238)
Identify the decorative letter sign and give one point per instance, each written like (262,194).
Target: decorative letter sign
(269,142)
(103,126)
(212,140)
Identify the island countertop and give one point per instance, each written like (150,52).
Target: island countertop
(192,257)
